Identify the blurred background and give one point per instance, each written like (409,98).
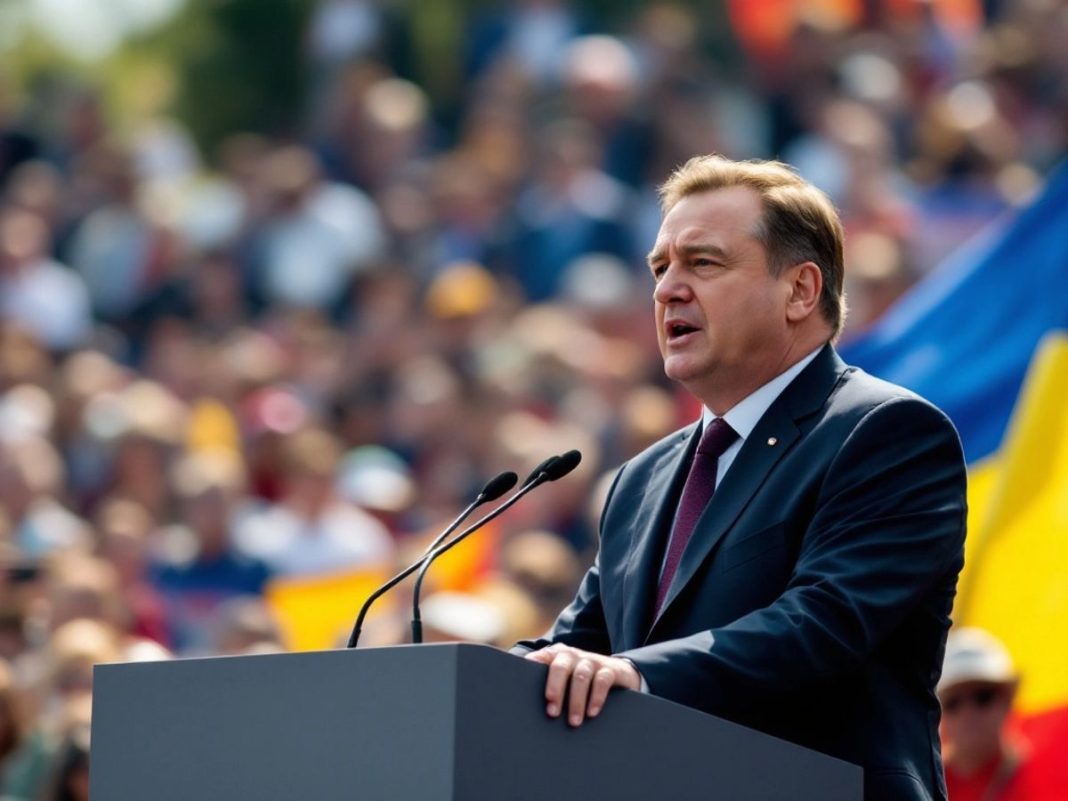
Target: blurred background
(282,284)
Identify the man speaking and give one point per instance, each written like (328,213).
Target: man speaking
(788,561)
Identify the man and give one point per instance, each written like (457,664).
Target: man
(809,596)
(985,761)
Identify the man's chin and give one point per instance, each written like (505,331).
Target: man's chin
(682,370)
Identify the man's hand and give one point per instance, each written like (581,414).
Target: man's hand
(589,675)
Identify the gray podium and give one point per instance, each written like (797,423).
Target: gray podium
(449,722)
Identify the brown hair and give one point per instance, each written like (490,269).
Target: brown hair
(800,223)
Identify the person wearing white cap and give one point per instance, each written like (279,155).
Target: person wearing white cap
(983,762)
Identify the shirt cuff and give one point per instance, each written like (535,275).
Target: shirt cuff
(644,686)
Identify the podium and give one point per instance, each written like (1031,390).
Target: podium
(435,722)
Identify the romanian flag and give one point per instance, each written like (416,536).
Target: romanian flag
(985,337)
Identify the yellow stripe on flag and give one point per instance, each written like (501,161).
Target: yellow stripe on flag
(317,612)
(1017,584)
(982,483)
(468,563)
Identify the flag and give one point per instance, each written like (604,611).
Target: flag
(318,612)
(964,337)
(1018,587)
(985,337)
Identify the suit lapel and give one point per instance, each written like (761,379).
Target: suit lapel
(653,516)
(806,394)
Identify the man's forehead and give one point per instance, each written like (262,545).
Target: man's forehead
(722,233)
(729,207)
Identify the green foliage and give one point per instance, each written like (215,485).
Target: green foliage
(33,61)
(239,65)
(224,66)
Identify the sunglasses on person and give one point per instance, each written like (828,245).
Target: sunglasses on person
(980,698)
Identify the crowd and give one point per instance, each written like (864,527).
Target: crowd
(301,356)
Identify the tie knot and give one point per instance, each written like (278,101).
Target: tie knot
(718,436)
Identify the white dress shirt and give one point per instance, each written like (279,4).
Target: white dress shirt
(744,415)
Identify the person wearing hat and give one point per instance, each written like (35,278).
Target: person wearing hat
(983,760)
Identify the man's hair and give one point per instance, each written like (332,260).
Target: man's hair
(799,224)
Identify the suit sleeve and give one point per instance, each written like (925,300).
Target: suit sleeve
(582,624)
(888,530)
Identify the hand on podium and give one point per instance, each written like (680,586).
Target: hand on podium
(588,675)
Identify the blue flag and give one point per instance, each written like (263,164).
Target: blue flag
(964,336)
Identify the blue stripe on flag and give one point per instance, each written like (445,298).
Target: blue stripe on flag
(964,336)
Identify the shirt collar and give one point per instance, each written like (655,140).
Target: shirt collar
(744,415)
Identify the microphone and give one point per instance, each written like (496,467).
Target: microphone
(553,468)
(537,471)
(494,489)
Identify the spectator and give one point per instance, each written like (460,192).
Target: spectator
(123,529)
(984,758)
(70,781)
(311,530)
(525,37)
(60,702)
(245,626)
(30,483)
(571,209)
(144,424)
(318,235)
(546,568)
(45,297)
(199,569)
(601,84)
(117,249)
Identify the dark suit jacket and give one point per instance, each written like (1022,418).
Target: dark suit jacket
(813,599)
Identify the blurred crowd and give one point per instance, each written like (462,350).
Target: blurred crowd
(300,356)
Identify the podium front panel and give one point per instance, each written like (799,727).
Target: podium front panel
(282,727)
(427,723)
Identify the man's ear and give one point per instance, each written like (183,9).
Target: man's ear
(806,287)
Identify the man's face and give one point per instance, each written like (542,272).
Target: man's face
(720,314)
(973,714)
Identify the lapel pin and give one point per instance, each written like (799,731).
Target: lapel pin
(772,440)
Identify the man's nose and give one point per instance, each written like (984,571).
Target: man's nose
(672,286)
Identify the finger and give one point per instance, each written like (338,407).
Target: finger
(581,677)
(556,684)
(603,681)
(545,656)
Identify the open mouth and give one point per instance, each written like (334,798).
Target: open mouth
(677,330)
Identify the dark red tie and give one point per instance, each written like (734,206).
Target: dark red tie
(696,493)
